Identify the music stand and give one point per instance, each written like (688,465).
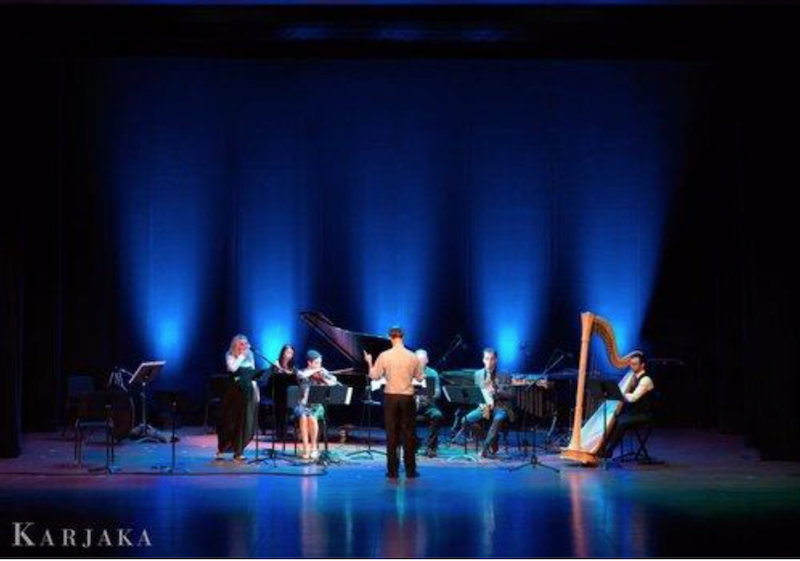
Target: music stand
(325,396)
(272,373)
(146,374)
(471,396)
(368,403)
(534,459)
(257,374)
(177,400)
(606,390)
(271,452)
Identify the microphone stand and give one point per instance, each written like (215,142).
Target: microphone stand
(535,461)
(561,356)
(272,453)
(457,343)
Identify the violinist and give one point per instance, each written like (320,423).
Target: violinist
(309,415)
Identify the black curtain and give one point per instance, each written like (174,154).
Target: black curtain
(769,328)
(30,291)
(11,315)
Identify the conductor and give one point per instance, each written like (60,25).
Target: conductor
(399,366)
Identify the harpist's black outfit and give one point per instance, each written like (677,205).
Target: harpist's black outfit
(633,415)
(237,424)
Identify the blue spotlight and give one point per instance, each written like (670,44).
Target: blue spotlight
(165,208)
(510,231)
(618,190)
(396,233)
(275,243)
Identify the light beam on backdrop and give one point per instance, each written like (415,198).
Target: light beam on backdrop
(274,227)
(510,225)
(543,162)
(164,200)
(395,233)
(618,188)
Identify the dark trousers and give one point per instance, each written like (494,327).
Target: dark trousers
(433,417)
(623,423)
(499,419)
(399,413)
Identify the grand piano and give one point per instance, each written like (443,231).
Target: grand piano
(350,345)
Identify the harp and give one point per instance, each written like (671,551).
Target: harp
(587,440)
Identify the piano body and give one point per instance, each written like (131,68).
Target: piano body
(351,345)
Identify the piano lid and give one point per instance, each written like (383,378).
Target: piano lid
(350,344)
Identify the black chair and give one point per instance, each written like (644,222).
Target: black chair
(292,399)
(216,386)
(478,437)
(77,385)
(94,411)
(637,437)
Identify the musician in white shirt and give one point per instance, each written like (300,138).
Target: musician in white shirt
(637,409)
(237,422)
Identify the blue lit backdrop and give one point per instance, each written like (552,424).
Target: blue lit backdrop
(493,199)
(161,163)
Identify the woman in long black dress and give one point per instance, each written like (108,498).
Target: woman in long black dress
(240,403)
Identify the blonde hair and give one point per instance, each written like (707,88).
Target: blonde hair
(235,340)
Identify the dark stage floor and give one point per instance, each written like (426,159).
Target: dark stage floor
(712,498)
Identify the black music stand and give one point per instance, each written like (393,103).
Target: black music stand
(325,396)
(471,396)
(605,390)
(177,401)
(534,460)
(368,403)
(271,452)
(145,374)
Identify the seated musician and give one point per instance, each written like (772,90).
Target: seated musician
(426,407)
(496,408)
(637,409)
(309,415)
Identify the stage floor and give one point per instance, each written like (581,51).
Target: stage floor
(712,497)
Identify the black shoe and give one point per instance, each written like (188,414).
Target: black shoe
(392,476)
(412,475)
